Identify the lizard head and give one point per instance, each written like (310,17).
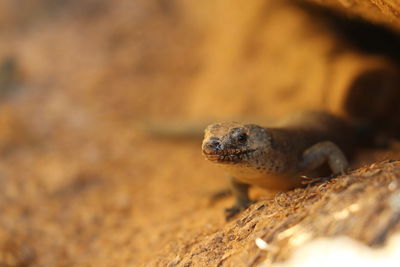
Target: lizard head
(234,143)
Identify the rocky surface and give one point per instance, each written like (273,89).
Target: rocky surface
(383,11)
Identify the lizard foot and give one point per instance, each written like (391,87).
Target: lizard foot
(236,209)
(232,212)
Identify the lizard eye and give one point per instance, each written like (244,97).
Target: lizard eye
(239,135)
(242,137)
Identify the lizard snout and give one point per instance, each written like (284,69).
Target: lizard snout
(212,146)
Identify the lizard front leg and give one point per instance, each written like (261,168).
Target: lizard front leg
(323,152)
(242,201)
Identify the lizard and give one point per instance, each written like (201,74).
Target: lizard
(278,157)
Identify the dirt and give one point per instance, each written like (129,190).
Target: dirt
(386,11)
(84,184)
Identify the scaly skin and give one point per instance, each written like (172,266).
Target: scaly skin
(276,158)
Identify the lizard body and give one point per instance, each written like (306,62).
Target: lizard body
(277,157)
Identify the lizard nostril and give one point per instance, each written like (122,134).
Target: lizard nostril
(214,145)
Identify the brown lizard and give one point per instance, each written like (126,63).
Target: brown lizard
(277,157)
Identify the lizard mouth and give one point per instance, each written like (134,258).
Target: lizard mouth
(228,157)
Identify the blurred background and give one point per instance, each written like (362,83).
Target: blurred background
(83,183)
